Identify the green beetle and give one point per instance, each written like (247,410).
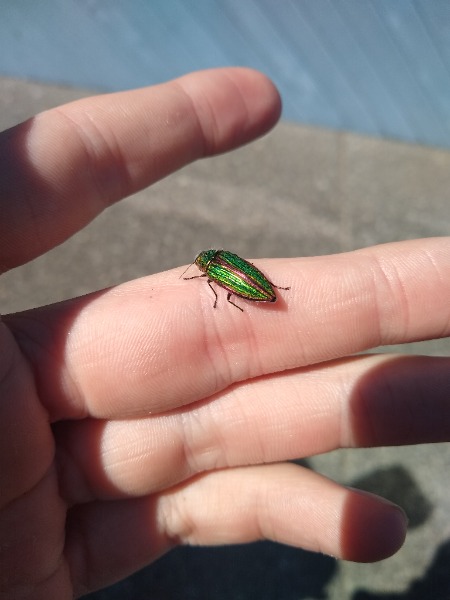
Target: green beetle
(236,275)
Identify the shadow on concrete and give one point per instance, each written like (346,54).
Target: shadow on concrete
(434,585)
(263,570)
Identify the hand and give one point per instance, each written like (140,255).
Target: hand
(132,421)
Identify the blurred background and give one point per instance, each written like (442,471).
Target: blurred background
(361,157)
(379,67)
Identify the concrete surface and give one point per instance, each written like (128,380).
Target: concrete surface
(298,191)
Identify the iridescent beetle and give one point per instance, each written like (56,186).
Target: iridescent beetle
(238,276)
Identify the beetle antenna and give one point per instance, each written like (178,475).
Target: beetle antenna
(186,269)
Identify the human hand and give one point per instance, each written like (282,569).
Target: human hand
(132,421)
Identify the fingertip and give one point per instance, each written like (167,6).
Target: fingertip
(372,529)
(261,94)
(240,105)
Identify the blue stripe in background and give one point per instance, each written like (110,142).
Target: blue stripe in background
(380,67)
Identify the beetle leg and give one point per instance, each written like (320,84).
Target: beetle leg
(229,300)
(195,276)
(278,286)
(214,292)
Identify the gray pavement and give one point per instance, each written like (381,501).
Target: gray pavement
(299,191)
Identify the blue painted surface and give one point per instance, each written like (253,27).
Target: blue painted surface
(380,67)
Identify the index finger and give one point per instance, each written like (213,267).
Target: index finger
(61,168)
(157,343)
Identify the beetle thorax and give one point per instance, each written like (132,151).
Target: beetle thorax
(204,258)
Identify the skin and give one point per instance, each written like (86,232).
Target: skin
(127,428)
